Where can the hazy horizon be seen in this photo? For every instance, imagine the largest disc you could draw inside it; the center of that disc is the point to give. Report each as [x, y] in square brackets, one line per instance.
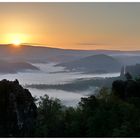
[75, 49]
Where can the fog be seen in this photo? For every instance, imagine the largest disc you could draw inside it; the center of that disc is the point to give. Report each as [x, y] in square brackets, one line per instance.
[49, 74]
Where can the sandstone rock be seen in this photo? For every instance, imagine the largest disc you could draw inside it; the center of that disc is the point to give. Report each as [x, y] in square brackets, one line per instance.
[17, 110]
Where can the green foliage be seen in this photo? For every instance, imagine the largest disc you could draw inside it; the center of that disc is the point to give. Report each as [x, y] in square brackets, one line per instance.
[50, 121]
[128, 76]
[112, 113]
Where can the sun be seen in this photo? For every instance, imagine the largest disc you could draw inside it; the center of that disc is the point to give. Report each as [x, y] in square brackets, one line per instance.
[16, 42]
[16, 39]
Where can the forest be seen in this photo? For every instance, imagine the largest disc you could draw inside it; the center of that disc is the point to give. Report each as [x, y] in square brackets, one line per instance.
[112, 112]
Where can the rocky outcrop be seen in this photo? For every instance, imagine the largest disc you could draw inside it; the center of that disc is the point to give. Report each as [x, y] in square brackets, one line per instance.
[17, 110]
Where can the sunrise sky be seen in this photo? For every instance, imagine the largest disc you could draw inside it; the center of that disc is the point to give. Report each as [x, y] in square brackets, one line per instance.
[72, 25]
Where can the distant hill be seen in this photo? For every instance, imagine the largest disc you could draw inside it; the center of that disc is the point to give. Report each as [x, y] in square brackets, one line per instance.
[14, 67]
[94, 64]
[37, 54]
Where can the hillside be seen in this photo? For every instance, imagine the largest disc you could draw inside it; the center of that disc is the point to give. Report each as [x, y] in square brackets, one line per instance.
[44, 54]
[14, 67]
[37, 54]
[94, 64]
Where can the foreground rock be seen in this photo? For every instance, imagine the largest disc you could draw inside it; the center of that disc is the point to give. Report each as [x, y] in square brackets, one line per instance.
[17, 110]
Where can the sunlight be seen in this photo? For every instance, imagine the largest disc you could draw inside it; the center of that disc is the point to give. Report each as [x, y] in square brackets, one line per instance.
[16, 39]
[16, 42]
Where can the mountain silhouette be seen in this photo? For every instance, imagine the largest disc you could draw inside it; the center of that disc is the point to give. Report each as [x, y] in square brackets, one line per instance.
[44, 54]
[14, 67]
[94, 64]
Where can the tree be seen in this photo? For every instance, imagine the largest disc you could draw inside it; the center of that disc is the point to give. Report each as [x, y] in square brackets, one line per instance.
[50, 118]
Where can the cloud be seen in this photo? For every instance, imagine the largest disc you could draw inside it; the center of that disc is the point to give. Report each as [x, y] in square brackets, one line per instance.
[92, 44]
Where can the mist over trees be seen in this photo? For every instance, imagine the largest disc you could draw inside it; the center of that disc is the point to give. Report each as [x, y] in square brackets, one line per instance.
[113, 112]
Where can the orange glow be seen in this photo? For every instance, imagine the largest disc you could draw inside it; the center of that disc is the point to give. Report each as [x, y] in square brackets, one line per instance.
[15, 39]
[84, 26]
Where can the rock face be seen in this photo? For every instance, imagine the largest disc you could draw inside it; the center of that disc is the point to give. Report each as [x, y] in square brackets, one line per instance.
[17, 110]
[131, 69]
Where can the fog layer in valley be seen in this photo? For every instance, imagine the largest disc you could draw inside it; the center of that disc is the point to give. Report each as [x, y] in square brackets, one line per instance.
[50, 74]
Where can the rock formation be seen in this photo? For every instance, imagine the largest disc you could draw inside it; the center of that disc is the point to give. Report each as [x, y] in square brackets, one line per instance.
[17, 110]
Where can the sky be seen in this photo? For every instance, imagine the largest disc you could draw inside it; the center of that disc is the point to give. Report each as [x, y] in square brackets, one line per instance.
[114, 26]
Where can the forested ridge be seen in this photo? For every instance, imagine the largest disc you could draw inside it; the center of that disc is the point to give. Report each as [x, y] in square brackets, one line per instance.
[113, 112]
